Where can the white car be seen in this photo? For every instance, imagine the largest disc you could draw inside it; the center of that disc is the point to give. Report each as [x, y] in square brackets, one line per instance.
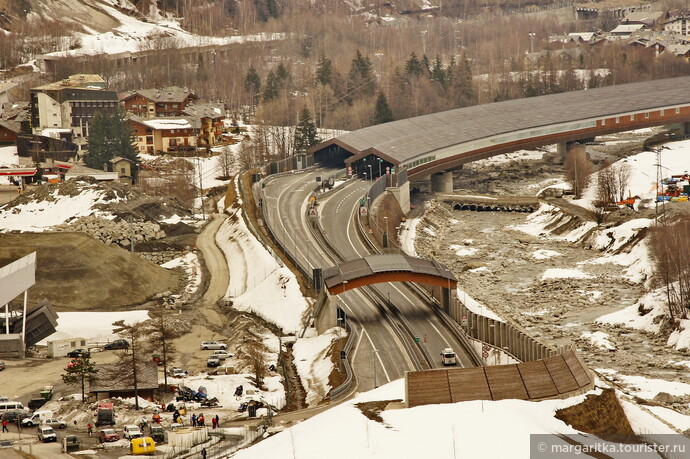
[220, 354]
[213, 345]
[131, 431]
[46, 434]
[178, 373]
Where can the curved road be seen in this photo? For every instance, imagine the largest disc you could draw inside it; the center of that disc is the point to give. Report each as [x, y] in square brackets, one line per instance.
[378, 356]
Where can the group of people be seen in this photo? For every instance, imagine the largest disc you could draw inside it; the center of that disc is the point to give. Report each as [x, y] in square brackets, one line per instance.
[200, 421]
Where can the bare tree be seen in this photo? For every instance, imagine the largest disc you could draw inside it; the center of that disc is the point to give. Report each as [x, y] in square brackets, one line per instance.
[254, 356]
[226, 162]
[160, 337]
[622, 179]
[670, 250]
[130, 363]
[578, 169]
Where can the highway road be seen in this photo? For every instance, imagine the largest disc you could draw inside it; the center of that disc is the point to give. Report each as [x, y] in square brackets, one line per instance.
[378, 356]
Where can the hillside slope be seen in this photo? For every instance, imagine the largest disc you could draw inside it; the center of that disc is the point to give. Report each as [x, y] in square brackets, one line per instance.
[80, 273]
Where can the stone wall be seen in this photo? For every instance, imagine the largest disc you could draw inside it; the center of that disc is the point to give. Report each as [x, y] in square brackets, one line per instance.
[112, 232]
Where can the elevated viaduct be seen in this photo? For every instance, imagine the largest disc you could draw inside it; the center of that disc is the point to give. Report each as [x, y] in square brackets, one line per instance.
[430, 146]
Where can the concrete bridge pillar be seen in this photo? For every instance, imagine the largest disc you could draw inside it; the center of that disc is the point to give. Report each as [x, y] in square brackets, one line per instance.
[446, 301]
[562, 148]
[442, 182]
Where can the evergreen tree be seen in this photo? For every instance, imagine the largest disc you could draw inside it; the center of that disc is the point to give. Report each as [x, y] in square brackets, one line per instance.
[77, 372]
[305, 133]
[272, 88]
[110, 136]
[413, 67]
[252, 83]
[283, 77]
[462, 92]
[324, 71]
[360, 81]
[383, 112]
[438, 73]
[426, 65]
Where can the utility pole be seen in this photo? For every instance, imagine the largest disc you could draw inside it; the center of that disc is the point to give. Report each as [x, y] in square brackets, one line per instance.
[201, 187]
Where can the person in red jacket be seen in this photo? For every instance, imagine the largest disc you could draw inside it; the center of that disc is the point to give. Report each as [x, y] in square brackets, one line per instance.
[4, 426]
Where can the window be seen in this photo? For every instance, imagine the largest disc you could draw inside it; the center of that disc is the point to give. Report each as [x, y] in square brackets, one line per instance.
[618, 119]
[134, 106]
[632, 117]
[174, 105]
[603, 122]
[661, 112]
[646, 115]
[677, 110]
[122, 171]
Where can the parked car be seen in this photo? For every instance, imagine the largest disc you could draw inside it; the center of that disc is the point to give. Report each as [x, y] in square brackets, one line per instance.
[220, 354]
[46, 434]
[108, 435]
[212, 361]
[13, 415]
[206, 345]
[178, 373]
[131, 431]
[2, 365]
[79, 353]
[54, 423]
[117, 344]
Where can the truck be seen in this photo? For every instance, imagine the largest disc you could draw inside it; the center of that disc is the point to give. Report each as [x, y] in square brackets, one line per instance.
[448, 357]
[37, 418]
[105, 415]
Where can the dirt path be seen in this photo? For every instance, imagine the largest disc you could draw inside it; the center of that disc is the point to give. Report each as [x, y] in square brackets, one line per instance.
[216, 265]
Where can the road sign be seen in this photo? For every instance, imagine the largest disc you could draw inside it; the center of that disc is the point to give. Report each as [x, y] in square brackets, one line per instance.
[486, 348]
[388, 170]
[485, 355]
[361, 202]
[313, 213]
[416, 339]
[363, 212]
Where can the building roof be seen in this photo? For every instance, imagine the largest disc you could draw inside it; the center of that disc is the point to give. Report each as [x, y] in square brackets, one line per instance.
[78, 170]
[83, 81]
[627, 28]
[14, 126]
[110, 379]
[169, 94]
[167, 123]
[582, 36]
[644, 17]
[208, 110]
[117, 159]
[417, 137]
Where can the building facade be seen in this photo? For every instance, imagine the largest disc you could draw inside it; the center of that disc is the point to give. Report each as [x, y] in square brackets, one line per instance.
[70, 104]
[156, 103]
[164, 135]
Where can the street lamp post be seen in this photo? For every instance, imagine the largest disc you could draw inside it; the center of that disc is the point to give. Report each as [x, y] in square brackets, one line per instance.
[380, 161]
[371, 175]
